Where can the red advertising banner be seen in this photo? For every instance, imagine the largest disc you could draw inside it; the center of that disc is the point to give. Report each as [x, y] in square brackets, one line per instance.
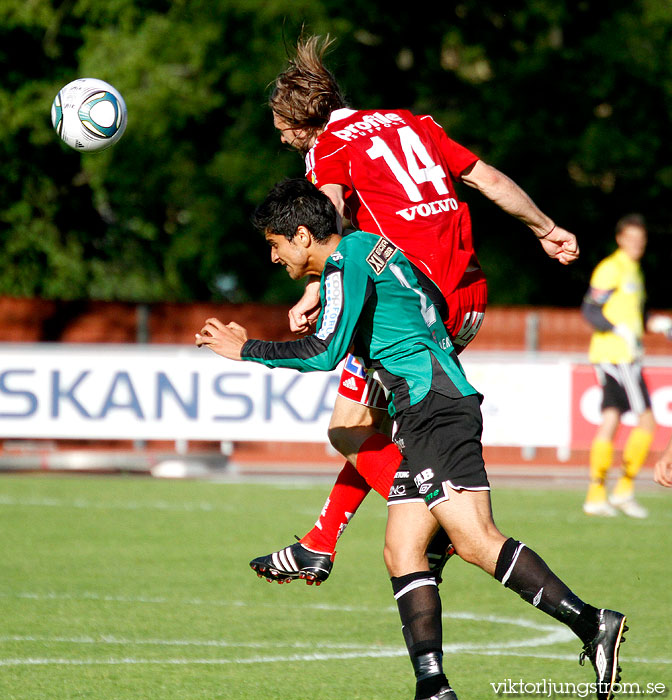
[587, 397]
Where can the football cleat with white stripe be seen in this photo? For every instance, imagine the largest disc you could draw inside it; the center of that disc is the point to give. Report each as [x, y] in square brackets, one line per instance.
[602, 651]
[294, 562]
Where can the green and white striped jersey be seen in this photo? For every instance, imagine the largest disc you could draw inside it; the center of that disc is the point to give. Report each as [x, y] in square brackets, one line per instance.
[374, 306]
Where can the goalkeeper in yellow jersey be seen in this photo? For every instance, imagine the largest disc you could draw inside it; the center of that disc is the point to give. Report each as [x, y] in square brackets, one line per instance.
[614, 307]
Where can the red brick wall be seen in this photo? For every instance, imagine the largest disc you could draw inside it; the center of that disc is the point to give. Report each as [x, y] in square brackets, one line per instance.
[34, 320]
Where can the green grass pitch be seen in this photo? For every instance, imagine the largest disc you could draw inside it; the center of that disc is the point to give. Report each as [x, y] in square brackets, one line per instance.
[126, 587]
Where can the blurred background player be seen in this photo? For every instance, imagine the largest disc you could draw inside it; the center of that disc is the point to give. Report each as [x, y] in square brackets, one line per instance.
[366, 286]
[390, 173]
[614, 307]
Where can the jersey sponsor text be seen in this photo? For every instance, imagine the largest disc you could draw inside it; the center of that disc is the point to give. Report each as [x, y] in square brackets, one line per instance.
[368, 123]
[334, 303]
[429, 208]
[398, 490]
[424, 475]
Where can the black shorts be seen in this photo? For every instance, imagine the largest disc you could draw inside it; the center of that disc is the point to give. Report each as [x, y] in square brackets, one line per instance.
[623, 387]
[440, 440]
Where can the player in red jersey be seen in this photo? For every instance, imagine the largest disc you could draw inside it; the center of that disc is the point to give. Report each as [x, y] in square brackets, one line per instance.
[394, 173]
[390, 173]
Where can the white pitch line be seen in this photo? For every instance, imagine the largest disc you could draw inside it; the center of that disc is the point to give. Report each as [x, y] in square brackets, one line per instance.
[218, 662]
[218, 643]
[321, 607]
[377, 654]
[552, 634]
[86, 596]
[126, 505]
[493, 649]
[160, 600]
[547, 640]
[83, 504]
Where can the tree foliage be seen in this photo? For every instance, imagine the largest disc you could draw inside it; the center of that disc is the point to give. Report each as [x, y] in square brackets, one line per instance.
[571, 99]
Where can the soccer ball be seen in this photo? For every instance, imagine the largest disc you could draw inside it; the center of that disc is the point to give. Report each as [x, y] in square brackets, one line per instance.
[89, 114]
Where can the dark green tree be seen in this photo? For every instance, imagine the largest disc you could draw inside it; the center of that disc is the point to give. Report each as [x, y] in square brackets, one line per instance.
[570, 99]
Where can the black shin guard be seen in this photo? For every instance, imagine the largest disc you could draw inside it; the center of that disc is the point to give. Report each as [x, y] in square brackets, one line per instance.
[525, 572]
[419, 606]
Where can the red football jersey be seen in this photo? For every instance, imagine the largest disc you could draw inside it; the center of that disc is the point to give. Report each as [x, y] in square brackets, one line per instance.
[398, 171]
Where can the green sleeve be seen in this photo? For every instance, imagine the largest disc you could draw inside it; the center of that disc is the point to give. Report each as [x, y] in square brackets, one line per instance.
[345, 289]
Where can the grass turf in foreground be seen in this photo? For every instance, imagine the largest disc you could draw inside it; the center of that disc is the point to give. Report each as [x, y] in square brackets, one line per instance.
[121, 588]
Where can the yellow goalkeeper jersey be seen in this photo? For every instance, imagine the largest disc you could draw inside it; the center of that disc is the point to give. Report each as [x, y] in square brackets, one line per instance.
[622, 277]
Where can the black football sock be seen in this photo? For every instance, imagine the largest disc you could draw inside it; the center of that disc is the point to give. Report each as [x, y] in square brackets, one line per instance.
[417, 597]
[525, 572]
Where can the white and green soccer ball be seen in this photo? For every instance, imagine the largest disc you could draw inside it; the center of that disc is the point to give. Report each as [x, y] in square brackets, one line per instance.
[89, 114]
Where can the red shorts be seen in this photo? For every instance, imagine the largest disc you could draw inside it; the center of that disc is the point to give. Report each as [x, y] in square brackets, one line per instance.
[466, 308]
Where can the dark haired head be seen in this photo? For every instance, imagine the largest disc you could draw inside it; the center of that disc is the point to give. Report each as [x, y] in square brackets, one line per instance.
[296, 202]
[630, 220]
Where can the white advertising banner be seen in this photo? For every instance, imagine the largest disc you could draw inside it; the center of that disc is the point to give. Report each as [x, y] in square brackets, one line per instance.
[526, 403]
[157, 392]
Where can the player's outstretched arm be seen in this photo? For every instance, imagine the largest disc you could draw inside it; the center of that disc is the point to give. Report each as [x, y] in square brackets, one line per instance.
[561, 245]
[226, 340]
[557, 242]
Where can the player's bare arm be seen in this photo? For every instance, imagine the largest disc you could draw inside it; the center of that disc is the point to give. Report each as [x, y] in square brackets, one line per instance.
[225, 339]
[557, 242]
[336, 194]
[304, 314]
[663, 472]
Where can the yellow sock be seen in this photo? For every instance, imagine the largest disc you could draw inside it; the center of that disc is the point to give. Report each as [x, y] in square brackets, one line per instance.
[634, 455]
[601, 455]
[596, 493]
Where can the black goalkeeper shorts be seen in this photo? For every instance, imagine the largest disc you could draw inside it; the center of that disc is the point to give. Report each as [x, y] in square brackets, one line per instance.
[623, 387]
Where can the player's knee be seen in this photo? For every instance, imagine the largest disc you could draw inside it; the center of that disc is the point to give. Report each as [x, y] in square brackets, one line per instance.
[400, 561]
[647, 421]
[480, 550]
[388, 558]
[468, 551]
[393, 560]
[348, 439]
[338, 438]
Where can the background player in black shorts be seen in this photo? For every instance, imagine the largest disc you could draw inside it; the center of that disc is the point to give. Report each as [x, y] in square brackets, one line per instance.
[615, 307]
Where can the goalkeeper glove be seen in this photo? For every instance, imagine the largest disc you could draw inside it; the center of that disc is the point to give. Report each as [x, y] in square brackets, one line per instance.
[660, 324]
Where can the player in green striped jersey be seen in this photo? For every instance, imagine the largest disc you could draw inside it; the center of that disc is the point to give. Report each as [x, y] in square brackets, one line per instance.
[374, 304]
